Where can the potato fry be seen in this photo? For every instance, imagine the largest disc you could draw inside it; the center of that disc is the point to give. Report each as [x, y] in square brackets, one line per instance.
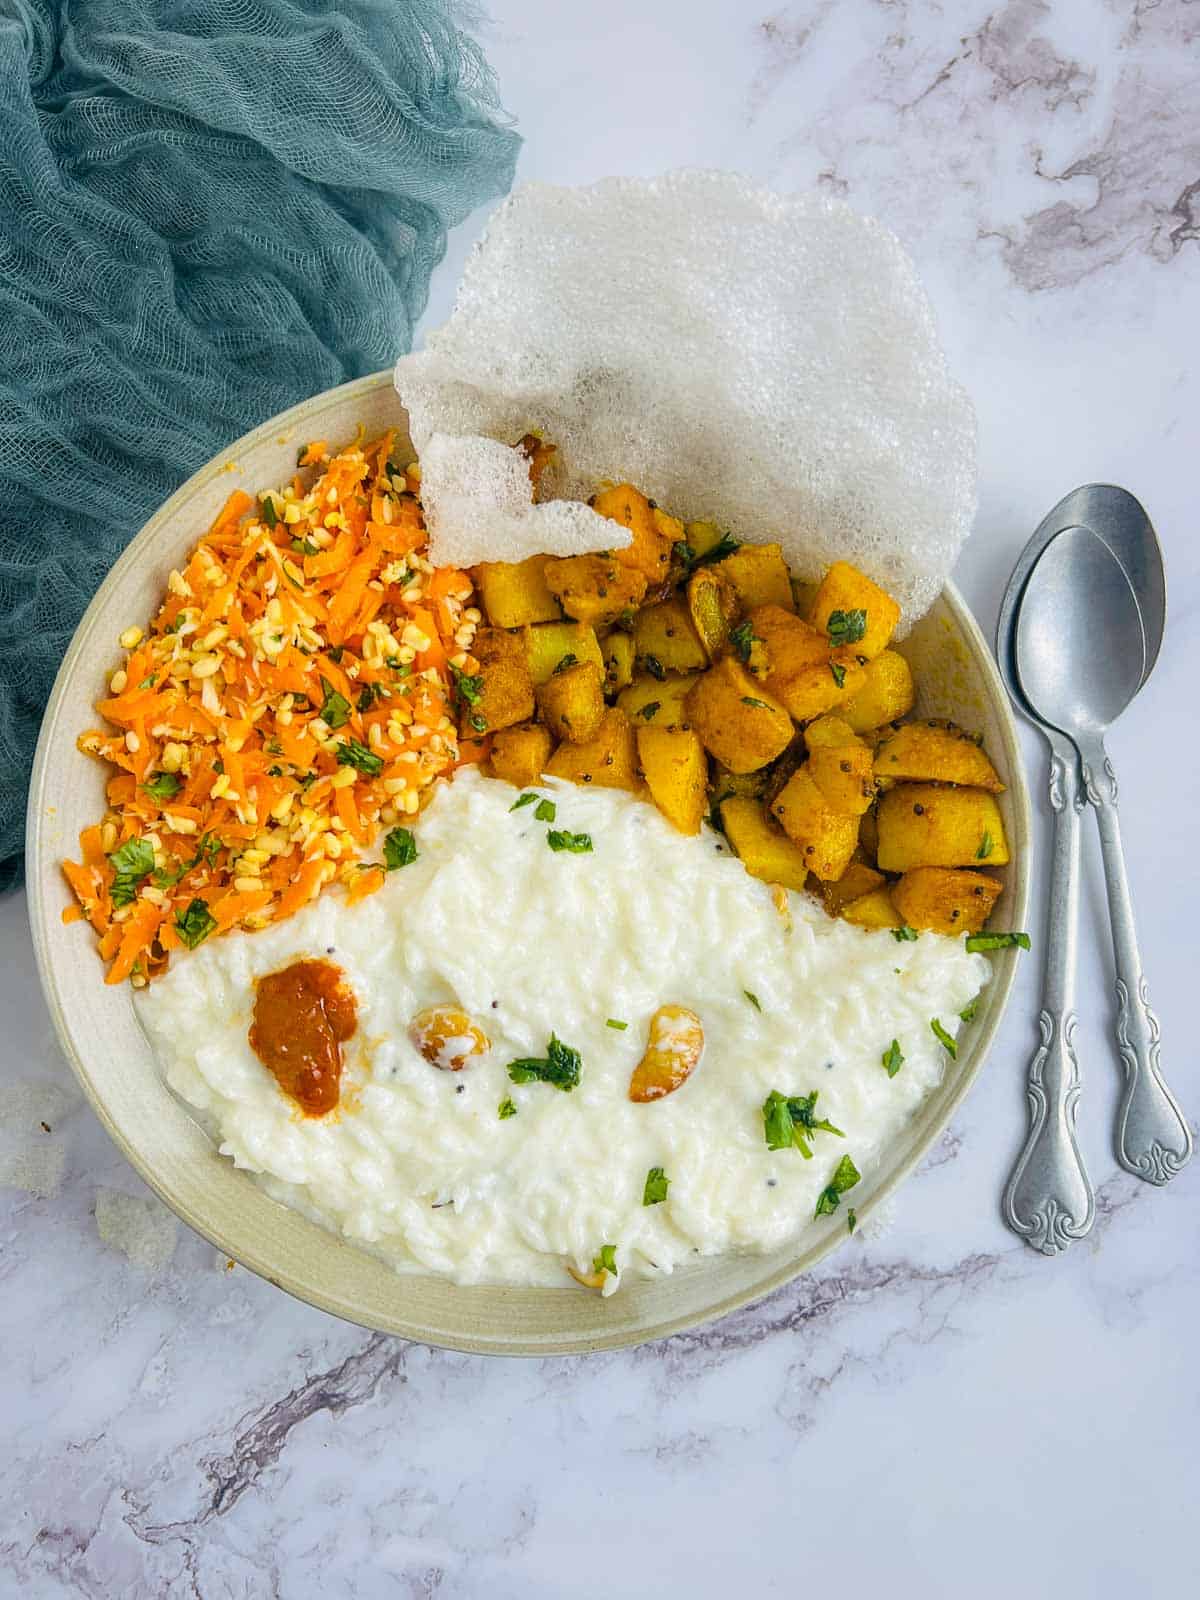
[874, 910]
[676, 772]
[519, 754]
[922, 825]
[514, 593]
[930, 752]
[608, 759]
[713, 608]
[826, 838]
[658, 700]
[737, 719]
[664, 634]
[650, 552]
[548, 644]
[886, 693]
[595, 589]
[944, 900]
[572, 702]
[762, 847]
[844, 593]
[503, 693]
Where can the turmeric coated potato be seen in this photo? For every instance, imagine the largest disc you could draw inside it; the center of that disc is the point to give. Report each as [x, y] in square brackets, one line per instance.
[501, 692]
[572, 702]
[759, 576]
[803, 673]
[739, 722]
[658, 700]
[664, 634]
[932, 752]
[650, 552]
[873, 910]
[519, 754]
[713, 608]
[595, 589]
[549, 645]
[608, 759]
[858, 879]
[922, 825]
[841, 765]
[826, 837]
[676, 773]
[514, 593]
[763, 849]
[944, 900]
[701, 537]
[886, 693]
[853, 611]
[617, 649]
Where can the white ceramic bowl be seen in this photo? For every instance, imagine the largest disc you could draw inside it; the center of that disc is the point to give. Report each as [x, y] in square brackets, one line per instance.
[956, 677]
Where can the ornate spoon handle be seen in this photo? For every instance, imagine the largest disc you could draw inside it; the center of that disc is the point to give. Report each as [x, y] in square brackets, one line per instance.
[1153, 1139]
[1049, 1200]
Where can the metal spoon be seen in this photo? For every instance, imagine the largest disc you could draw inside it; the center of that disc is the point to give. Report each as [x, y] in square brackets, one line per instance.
[1081, 654]
[1049, 1200]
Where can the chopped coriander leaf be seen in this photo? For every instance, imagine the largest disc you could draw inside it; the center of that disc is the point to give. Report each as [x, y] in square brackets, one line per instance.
[134, 859]
[606, 1259]
[546, 811]
[851, 1219]
[839, 673]
[560, 1067]
[759, 705]
[790, 1120]
[578, 843]
[893, 1059]
[944, 1038]
[468, 688]
[845, 1177]
[654, 667]
[335, 709]
[650, 709]
[399, 849]
[353, 754]
[479, 721]
[986, 846]
[371, 692]
[904, 934]
[195, 924]
[725, 546]
[402, 669]
[753, 999]
[163, 785]
[507, 1109]
[304, 547]
[569, 660]
[148, 683]
[742, 639]
[527, 799]
[619, 1026]
[846, 627]
[967, 1014]
[209, 848]
[269, 514]
[336, 652]
[657, 1184]
[997, 941]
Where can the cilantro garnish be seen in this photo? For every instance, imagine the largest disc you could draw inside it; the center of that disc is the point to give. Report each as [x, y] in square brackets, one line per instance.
[527, 799]
[353, 754]
[569, 660]
[759, 705]
[845, 1177]
[650, 709]
[892, 1059]
[967, 1014]
[269, 514]
[399, 849]
[753, 999]
[578, 843]
[654, 667]
[195, 924]
[904, 934]
[846, 627]
[606, 1259]
[614, 1023]
[944, 1038]
[997, 941]
[469, 688]
[986, 846]
[132, 862]
[742, 638]
[839, 673]
[546, 811]
[791, 1120]
[657, 1184]
[851, 1219]
[560, 1066]
[507, 1109]
[335, 711]
[163, 785]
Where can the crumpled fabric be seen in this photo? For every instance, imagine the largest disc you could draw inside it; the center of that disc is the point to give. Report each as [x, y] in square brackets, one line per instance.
[209, 210]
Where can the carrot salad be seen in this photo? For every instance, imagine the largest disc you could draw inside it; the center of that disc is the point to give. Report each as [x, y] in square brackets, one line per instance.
[292, 698]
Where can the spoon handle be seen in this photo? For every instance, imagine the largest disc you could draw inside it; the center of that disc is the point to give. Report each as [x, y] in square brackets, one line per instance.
[1049, 1200]
[1153, 1139]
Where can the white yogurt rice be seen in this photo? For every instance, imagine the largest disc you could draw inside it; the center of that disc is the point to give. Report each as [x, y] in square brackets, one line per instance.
[417, 1164]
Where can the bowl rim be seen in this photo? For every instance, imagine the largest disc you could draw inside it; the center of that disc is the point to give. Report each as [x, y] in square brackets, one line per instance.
[324, 1298]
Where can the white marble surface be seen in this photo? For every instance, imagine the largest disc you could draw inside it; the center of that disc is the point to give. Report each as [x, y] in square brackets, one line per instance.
[938, 1411]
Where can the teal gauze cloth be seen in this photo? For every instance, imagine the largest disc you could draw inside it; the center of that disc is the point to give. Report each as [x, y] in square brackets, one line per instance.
[209, 209]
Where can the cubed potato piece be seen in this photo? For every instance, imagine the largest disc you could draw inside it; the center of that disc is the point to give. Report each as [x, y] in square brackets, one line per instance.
[759, 575]
[608, 759]
[572, 702]
[804, 674]
[504, 693]
[701, 537]
[944, 900]
[829, 731]
[660, 701]
[873, 910]
[922, 825]
[826, 837]
[841, 765]
[739, 722]
[763, 849]
[858, 879]
[846, 590]
[514, 593]
[596, 588]
[713, 608]
[928, 752]
[519, 754]
[664, 634]
[549, 644]
[650, 552]
[617, 650]
[676, 772]
[886, 694]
